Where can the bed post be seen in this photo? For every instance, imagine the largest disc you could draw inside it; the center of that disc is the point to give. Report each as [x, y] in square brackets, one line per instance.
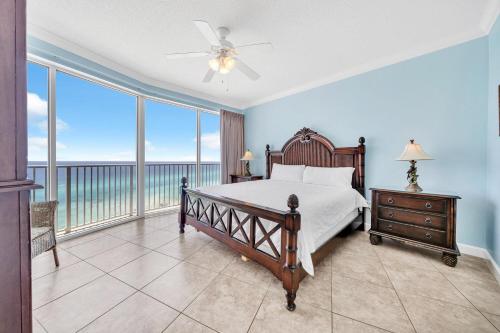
[182, 213]
[291, 275]
[268, 166]
[360, 169]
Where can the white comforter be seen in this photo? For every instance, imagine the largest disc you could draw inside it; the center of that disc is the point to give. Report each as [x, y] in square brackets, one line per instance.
[321, 207]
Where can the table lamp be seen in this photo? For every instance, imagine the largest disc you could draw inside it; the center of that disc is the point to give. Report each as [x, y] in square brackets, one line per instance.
[413, 152]
[247, 158]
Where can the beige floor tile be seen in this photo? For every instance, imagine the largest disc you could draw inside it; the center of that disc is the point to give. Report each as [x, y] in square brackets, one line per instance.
[37, 328]
[315, 291]
[44, 263]
[180, 285]
[95, 247]
[185, 246]
[467, 267]
[215, 257]
[347, 325]
[133, 231]
[369, 303]
[356, 243]
[429, 315]
[80, 307]
[250, 272]
[227, 305]
[394, 253]
[81, 239]
[483, 293]
[185, 324]
[426, 282]
[145, 269]
[274, 317]
[163, 221]
[55, 285]
[117, 257]
[138, 313]
[361, 268]
[155, 239]
[494, 319]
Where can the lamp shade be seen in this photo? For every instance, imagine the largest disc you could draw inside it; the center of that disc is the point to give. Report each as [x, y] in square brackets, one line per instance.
[248, 156]
[413, 152]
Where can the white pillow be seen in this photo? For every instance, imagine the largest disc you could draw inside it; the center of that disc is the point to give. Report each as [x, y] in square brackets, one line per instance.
[290, 173]
[341, 177]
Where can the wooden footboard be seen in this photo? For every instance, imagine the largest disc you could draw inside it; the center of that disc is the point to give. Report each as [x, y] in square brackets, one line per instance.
[251, 230]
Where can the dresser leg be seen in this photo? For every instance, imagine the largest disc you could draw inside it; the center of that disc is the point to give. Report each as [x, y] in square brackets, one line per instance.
[375, 239]
[449, 259]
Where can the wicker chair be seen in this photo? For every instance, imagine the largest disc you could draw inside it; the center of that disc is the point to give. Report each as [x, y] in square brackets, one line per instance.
[43, 236]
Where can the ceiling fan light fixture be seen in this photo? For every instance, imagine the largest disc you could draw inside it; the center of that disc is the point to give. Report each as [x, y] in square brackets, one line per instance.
[228, 63]
[214, 64]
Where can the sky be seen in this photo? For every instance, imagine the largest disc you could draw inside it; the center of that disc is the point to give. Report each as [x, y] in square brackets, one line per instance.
[97, 123]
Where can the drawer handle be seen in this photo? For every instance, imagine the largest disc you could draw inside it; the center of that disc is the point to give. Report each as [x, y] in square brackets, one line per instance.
[391, 214]
[428, 235]
[428, 220]
[428, 205]
[389, 226]
[390, 200]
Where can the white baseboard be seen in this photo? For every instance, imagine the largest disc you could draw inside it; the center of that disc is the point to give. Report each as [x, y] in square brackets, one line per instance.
[481, 253]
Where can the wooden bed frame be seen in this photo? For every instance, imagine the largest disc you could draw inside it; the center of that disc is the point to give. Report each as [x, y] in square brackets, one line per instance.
[224, 218]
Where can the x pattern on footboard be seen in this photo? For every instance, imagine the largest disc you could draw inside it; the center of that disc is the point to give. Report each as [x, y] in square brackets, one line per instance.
[248, 229]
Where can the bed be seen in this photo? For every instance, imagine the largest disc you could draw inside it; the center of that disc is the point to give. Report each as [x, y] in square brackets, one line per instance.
[261, 219]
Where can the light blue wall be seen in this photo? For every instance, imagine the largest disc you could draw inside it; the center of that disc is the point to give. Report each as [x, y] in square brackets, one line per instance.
[439, 99]
[494, 139]
[53, 53]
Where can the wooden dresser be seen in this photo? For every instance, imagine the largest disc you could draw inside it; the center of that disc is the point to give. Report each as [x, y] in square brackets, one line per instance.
[241, 178]
[422, 219]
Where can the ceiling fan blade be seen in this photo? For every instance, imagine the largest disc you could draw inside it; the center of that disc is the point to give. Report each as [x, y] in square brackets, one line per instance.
[208, 77]
[186, 55]
[252, 75]
[207, 31]
[266, 46]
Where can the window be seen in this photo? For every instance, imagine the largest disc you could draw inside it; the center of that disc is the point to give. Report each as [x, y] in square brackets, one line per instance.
[94, 176]
[210, 148]
[37, 103]
[96, 151]
[170, 152]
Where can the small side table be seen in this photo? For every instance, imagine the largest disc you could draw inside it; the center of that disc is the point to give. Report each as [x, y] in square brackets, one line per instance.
[426, 220]
[241, 178]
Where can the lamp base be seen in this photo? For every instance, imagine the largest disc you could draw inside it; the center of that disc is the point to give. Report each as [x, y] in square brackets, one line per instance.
[247, 169]
[413, 188]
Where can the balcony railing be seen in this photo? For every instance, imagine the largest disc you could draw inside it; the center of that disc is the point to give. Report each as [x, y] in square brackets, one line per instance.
[100, 192]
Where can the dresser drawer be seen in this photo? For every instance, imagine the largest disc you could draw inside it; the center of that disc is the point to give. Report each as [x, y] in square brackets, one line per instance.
[430, 236]
[416, 218]
[426, 205]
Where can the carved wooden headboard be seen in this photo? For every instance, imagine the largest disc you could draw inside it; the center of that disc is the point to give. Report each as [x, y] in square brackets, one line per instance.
[309, 148]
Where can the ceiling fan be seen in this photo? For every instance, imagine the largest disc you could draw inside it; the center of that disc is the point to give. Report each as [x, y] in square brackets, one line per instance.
[222, 52]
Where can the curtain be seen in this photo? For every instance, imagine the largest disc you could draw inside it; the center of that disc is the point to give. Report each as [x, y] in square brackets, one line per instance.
[232, 144]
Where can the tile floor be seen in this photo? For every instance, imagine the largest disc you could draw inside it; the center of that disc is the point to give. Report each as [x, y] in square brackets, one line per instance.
[143, 277]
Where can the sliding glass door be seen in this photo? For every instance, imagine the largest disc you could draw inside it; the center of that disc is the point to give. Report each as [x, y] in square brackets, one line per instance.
[209, 148]
[37, 103]
[170, 152]
[96, 152]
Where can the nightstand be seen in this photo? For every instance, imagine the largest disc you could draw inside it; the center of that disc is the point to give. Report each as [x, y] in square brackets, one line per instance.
[427, 220]
[241, 178]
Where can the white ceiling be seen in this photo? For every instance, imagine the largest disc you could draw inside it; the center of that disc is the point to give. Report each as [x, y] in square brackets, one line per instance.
[315, 42]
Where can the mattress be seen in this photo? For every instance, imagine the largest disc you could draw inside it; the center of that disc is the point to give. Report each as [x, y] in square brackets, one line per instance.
[325, 210]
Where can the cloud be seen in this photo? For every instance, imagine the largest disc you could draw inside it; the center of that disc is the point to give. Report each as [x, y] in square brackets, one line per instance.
[61, 125]
[37, 106]
[149, 146]
[210, 140]
[41, 143]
